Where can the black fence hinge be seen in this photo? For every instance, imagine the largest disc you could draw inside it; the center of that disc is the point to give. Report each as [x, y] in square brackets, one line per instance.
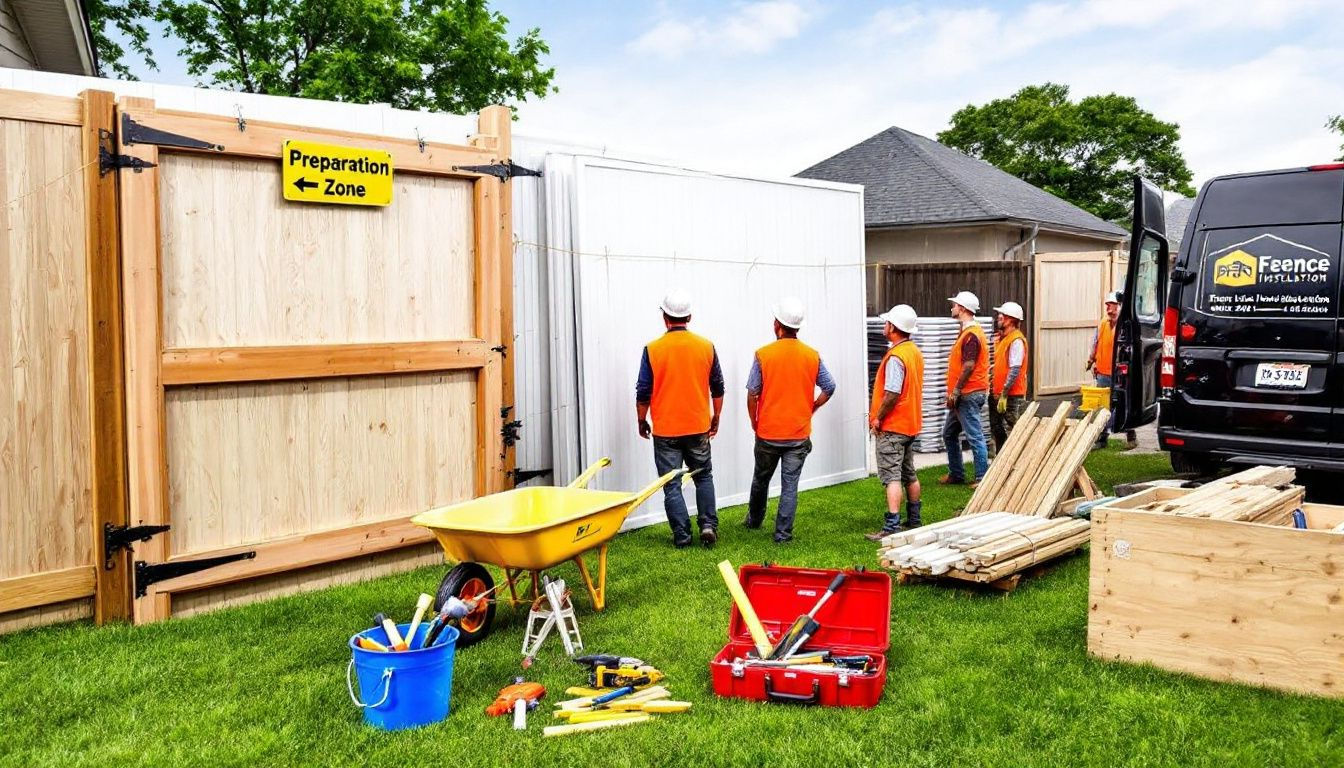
[109, 160]
[147, 574]
[511, 429]
[135, 133]
[119, 537]
[502, 349]
[521, 476]
[502, 171]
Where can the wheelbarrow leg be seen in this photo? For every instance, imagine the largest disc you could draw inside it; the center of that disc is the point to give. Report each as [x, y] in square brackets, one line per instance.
[599, 592]
[511, 576]
[536, 581]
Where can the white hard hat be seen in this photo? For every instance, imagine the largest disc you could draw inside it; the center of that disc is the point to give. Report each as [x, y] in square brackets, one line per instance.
[1112, 298]
[789, 312]
[903, 316]
[967, 300]
[677, 303]
[1010, 309]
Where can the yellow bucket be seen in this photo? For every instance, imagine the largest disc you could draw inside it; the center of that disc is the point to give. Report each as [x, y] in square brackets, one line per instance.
[1095, 397]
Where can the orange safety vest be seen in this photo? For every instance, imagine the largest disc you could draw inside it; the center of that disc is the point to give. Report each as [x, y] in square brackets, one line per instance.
[979, 380]
[907, 418]
[788, 386]
[1105, 351]
[681, 363]
[1001, 365]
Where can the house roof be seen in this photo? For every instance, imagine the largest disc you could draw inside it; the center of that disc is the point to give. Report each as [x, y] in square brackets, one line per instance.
[58, 33]
[1178, 215]
[909, 179]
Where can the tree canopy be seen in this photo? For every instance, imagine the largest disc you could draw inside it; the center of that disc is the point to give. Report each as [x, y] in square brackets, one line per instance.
[1336, 124]
[1084, 151]
[449, 55]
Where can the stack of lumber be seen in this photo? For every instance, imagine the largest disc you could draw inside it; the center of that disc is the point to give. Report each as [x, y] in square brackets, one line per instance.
[1258, 495]
[582, 714]
[983, 547]
[1040, 464]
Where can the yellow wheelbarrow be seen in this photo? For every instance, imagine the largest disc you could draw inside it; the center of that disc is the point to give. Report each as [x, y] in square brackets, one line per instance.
[526, 531]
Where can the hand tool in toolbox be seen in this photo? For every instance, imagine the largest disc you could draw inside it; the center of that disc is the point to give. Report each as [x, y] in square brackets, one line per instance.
[806, 625]
[845, 658]
[551, 610]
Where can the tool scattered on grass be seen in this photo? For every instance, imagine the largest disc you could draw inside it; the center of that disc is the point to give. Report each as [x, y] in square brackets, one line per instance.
[611, 671]
[394, 639]
[518, 690]
[754, 626]
[563, 730]
[806, 625]
[421, 605]
[552, 609]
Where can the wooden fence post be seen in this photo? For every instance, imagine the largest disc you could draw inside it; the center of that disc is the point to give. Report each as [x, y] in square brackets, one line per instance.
[112, 597]
[494, 306]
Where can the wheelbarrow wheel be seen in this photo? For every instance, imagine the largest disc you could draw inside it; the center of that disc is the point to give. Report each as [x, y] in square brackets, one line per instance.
[465, 581]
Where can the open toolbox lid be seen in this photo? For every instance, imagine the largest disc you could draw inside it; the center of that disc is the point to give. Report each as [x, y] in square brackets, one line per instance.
[858, 615]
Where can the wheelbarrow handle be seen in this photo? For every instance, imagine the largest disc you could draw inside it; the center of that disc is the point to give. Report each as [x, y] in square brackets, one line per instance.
[582, 480]
[654, 487]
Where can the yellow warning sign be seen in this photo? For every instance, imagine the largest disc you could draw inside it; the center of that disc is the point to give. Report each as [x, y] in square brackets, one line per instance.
[329, 173]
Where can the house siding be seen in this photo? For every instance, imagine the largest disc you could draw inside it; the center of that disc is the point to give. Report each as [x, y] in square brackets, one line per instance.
[14, 50]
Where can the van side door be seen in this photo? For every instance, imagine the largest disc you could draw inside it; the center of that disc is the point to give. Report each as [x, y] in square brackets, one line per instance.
[1138, 333]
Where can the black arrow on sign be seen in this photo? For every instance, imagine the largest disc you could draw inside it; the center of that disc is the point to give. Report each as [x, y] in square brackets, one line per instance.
[303, 184]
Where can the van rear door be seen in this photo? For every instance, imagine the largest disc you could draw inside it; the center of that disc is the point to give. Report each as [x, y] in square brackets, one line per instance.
[1259, 311]
[1138, 333]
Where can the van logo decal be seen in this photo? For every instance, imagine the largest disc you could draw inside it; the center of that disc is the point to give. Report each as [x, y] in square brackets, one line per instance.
[1236, 269]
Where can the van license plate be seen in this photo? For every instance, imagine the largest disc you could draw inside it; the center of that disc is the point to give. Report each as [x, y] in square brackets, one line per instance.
[1281, 375]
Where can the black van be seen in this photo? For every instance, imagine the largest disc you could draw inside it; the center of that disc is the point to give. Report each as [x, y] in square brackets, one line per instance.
[1243, 363]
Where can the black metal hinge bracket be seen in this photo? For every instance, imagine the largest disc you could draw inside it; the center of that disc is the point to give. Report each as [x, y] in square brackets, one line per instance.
[510, 432]
[109, 162]
[119, 537]
[147, 574]
[521, 476]
[502, 171]
[135, 133]
[502, 349]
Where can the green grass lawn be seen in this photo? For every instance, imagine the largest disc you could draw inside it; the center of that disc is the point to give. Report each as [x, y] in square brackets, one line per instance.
[976, 678]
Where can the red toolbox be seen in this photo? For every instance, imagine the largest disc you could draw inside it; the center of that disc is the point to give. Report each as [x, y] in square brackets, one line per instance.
[855, 621]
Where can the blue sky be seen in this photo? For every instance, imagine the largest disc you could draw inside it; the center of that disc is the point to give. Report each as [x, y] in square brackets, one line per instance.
[771, 86]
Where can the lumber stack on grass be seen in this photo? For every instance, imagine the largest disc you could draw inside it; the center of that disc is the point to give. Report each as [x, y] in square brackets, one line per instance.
[1039, 464]
[1257, 495]
[982, 547]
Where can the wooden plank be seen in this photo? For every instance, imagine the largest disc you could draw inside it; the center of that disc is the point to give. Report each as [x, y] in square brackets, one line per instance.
[295, 552]
[1075, 453]
[1052, 325]
[490, 293]
[1080, 256]
[1034, 453]
[1160, 593]
[266, 140]
[145, 465]
[106, 378]
[1004, 464]
[40, 108]
[46, 588]
[504, 148]
[243, 364]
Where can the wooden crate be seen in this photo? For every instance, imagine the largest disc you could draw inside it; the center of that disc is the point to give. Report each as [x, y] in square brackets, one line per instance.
[1226, 600]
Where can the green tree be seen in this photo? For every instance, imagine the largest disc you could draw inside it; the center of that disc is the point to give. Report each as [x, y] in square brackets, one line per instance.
[1336, 124]
[448, 55]
[1085, 151]
[126, 17]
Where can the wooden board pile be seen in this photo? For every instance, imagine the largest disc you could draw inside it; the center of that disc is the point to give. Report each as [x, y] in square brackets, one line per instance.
[1257, 495]
[1039, 464]
[983, 547]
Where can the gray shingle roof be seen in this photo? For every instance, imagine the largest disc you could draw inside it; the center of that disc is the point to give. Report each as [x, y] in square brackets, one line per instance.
[1178, 214]
[909, 179]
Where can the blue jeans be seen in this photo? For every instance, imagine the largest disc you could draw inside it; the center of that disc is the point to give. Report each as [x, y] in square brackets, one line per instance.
[790, 461]
[669, 453]
[966, 419]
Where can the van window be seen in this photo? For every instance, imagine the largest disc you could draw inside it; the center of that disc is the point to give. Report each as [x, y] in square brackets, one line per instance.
[1145, 288]
[1273, 200]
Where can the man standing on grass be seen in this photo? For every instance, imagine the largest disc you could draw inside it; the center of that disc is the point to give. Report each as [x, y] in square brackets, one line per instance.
[781, 398]
[967, 388]
[1009, 389]
[895, 416]
[679, 375]
[1102, 360]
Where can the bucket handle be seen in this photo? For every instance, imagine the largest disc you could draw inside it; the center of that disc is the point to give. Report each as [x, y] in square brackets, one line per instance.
[350, 686]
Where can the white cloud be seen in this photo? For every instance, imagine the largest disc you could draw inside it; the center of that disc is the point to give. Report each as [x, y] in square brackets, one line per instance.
[753, 28]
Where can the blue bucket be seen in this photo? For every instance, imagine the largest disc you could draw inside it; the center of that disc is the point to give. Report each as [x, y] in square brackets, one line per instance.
[403, 689]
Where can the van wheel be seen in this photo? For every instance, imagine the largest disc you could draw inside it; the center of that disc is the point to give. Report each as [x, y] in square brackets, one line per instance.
[1197, 464]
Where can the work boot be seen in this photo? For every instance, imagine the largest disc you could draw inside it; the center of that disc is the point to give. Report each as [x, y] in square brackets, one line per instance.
[708, 536]
[912, 512]
[750, 524]
[891, 523]
[950, 480]
[783, 538]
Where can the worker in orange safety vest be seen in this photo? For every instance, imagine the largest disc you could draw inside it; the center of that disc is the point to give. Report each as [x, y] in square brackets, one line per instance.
[1101, 362]
[1008, 389]
[895, 417]
[967, 390]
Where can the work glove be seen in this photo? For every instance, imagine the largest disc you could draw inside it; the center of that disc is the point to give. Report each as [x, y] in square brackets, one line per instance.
[1003, 405]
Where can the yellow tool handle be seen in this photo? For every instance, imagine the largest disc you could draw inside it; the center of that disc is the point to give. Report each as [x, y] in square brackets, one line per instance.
[597, 725]
[421, 606]
[754, 626]
[602, 714]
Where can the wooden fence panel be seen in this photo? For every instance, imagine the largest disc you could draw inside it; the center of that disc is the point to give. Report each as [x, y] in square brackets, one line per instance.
[52, 437]
[927, 286]
[1069, 291]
